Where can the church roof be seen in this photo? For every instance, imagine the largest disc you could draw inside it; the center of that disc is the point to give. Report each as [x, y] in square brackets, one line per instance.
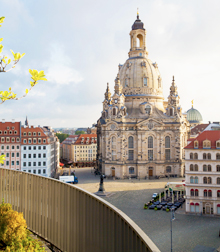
[194, 116]
[138, 24]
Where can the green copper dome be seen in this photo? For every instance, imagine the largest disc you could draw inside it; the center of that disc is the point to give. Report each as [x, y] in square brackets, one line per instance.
[194, 116]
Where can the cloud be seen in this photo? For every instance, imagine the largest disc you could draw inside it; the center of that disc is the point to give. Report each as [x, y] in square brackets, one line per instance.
[60, 67]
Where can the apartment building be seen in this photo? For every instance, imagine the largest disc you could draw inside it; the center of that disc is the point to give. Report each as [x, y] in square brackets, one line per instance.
[39, 150]
[10, 142]
[85, 148]
[202, 173]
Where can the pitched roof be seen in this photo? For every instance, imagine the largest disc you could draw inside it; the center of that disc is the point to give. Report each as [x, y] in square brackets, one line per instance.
[198, 128]
[86, 139]
[212, 135]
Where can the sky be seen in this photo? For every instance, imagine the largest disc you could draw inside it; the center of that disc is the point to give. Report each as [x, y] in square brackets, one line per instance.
[79, 45]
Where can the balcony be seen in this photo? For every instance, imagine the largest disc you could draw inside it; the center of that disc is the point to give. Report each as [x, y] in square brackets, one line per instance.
[69, 217]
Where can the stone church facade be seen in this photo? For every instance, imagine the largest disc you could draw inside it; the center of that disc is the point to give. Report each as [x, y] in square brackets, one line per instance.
[139, 134]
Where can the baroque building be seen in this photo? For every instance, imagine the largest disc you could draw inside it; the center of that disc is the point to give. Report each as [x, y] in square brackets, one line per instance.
[138, 133]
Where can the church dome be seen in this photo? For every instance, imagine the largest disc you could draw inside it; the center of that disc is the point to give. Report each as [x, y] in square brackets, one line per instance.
[194, 116]
[139, 75]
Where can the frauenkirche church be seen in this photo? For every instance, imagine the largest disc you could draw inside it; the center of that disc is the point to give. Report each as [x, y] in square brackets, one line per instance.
[139, 133]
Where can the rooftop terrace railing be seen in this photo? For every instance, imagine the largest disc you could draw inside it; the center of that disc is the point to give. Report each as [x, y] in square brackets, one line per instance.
[69, 217]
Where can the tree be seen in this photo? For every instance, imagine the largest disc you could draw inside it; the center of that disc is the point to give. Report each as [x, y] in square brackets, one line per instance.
[62, 136]
[5, 62]
[78, 132]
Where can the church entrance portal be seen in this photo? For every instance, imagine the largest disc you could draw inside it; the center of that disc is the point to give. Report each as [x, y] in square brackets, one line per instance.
[113, 172]
[150, 172]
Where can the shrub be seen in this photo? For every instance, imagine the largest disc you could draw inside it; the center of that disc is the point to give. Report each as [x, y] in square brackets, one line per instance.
[167, 209]
[155, 208]
[13, 231]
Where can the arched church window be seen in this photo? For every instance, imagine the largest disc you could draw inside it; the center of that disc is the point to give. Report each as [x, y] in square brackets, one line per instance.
[114, 111]
[148, 109]
[167, 148]
[145, 81]
[113, 142]
[150, 142]
[167, 142]
[130, 142]
[126, 82]
[103, 114]
[171, 111]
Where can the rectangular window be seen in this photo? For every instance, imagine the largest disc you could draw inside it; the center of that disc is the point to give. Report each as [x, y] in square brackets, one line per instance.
[2, 139]
[7, 162]
[12, 154]
[29, 171]
[39, 171]
[13, 139]
[39, 140]
[17, 162]
[12, 147]
[44, 163]
[130, 155]
[39, 147]
[192, 208]
[44, 155]
[29, 155]
[24, 141]
[34, 171]
[24, 164]
[18, 147]
[7, 154]
[2, 147]
[44, 171]
[17, 154]
[29, 147]
[7, 147]
[25, 148]
[39, 155]
[39, 163]
[150, 154]
[167, 154]
[34, 163]
[34, 140]
[7, 139]
[29, 163]
[34, 155]
[24, 155]
[17, 139]
[12, 162]
[44, 147]
[197, 209]
[29, 140]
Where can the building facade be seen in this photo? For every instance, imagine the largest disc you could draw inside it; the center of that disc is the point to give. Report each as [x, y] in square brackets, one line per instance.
[203, 173]
[10, 141]
[140, 134]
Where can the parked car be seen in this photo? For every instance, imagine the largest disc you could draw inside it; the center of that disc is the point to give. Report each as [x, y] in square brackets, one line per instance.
[152, 206]
[154, 195]
[159, 207]
[157, 203]
[163, 203]
[165, 208]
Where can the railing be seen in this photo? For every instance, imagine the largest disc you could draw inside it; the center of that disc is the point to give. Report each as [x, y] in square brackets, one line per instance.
[69, 217]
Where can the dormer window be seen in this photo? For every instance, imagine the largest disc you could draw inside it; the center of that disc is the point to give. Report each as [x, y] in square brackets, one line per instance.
[24, 133]
[145, 81]
[218, 144]
[196, 144]
[206, 144]
[29, 133]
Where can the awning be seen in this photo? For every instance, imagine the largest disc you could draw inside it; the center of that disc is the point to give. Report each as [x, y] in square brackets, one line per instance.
[197, 204]
[192, 204]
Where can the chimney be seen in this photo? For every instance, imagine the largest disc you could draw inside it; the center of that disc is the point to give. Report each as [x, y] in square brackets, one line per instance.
[13, 120]
[3, 120]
